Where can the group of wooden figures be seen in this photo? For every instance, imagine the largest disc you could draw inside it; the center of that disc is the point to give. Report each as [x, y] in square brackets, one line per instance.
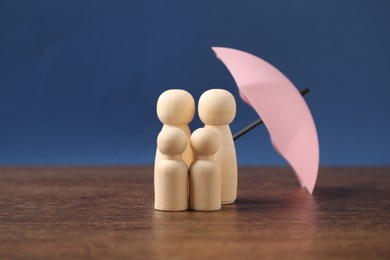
[195, 171]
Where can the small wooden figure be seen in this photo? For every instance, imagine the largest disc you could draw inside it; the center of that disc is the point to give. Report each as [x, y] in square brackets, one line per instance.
[217, 109]
[176, 107]
[171, 172]
[205, 172]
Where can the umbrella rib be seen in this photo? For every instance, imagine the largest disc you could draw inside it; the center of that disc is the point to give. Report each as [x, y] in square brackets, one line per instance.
[259, 121]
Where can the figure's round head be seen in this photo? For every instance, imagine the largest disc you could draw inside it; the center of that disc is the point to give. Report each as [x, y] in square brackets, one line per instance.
[171, 141]
[205, 141]
[217, 107]
[175, 107]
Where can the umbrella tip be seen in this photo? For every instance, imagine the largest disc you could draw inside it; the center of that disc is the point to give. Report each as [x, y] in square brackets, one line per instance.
[309, 190]
[215, 50]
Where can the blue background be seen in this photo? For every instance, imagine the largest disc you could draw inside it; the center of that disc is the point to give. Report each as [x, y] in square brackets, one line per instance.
[79, 80]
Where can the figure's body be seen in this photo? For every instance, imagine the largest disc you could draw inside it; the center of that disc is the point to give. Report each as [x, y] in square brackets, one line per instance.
[205, 172]
[176, 108]
[171, 172]
[217, 109]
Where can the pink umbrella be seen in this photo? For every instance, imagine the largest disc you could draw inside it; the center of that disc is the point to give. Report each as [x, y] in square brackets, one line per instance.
[282, 108]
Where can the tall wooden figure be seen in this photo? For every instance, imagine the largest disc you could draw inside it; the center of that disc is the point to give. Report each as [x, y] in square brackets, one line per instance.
[171, 172]
[205, 172]
[176, 108]
[217, 109]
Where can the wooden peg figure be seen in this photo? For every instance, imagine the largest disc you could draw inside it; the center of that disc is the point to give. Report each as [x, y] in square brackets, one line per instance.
[171, 172]
[176, 108]
[217, 109]
[205, 172]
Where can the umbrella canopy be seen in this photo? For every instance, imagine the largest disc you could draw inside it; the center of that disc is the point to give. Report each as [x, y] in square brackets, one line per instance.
[282, 108]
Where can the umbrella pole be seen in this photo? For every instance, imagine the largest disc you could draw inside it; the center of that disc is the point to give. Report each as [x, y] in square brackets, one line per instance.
[259, 121]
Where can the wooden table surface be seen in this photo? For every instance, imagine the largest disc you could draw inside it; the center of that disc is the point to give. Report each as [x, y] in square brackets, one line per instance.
[107, 212]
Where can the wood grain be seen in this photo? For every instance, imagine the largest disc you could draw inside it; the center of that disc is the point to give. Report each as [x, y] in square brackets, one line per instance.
[107, 212]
